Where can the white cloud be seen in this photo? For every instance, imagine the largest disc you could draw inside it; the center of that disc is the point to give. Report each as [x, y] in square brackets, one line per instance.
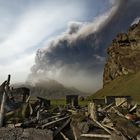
[27, 30]
[18, 69]
[32, 28]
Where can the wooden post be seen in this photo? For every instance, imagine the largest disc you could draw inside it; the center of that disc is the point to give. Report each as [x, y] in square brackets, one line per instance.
[8, 80]
[2, 111]
[7, 88]
[3, 102]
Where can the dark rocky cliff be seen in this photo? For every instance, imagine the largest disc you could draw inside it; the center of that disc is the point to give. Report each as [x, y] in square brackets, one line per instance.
[123, 55]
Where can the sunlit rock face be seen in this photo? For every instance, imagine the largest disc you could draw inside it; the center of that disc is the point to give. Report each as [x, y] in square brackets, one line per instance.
[123, 54]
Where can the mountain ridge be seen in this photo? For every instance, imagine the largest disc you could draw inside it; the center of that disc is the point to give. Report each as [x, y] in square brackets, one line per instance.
[50, 89]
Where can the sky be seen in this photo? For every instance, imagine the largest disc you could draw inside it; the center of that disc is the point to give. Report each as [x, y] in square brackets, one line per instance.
[60, 39]
[26, 25]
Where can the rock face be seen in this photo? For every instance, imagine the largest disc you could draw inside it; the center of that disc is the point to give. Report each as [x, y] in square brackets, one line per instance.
[123, 54]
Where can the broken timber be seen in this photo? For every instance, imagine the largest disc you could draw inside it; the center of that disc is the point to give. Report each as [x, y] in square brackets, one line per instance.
[53, 122]
[98, 123]
[96, 136]
[62, 127]
[2, 111]
[3, 103]
[62, 134]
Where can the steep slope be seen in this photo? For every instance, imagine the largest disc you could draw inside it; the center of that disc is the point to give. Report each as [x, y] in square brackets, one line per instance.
[124, 85]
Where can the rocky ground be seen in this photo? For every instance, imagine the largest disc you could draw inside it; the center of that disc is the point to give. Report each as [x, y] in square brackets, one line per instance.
[25, 134]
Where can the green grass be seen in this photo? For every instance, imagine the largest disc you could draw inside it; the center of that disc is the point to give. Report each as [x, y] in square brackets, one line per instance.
[122, 86]
[83, 103]
[62, 102]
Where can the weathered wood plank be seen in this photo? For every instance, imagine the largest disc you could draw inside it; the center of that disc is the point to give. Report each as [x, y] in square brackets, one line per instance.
[65, 138]
[53, 122]
[96, 136]
[62, 127]
[2, 110]
[98, 123]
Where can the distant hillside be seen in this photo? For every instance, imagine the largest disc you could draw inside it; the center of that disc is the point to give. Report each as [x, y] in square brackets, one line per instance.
[50, 89]
[124, 85]
[122, 69]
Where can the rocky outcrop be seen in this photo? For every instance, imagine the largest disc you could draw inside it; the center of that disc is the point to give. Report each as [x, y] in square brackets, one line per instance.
[123, 54]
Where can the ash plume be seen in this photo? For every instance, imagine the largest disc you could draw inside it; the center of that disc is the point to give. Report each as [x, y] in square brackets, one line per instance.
[76, 57]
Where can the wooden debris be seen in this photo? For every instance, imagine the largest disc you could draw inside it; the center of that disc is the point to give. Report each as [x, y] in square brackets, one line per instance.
[98, 123]
[92, 109]
[126, 127]
[2, 110]
[121, 103]
[18, 125]
[4, 99]
[112, 128]
[53, 122]
[133, 108]
[65, 138]
[62, 127]
[107, 107]
[96, 136]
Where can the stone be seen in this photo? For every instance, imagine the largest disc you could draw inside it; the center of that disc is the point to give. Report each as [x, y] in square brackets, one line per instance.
[25, 134]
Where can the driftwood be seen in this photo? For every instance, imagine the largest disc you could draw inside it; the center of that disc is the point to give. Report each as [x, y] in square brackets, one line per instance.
[96, 136]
